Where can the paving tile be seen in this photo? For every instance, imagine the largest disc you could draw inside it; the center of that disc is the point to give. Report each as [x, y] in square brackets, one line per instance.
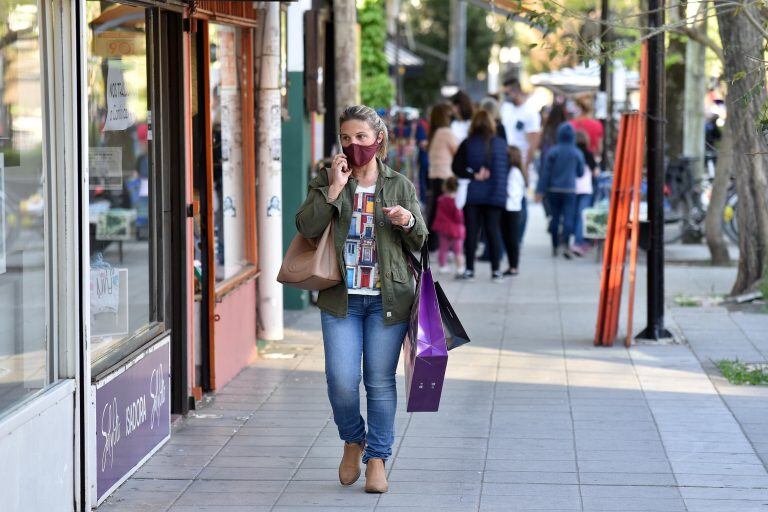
[697, 505]
[530, 477]
[354, 497]
[227, 499]
[218, 508]
[406, 462]
[224, 461]
[630, 491]
[505, 489]
[634, 504]
[520, 503]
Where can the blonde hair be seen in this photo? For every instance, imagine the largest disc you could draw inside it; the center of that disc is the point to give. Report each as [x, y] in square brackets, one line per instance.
[374, 121]
[491, 105]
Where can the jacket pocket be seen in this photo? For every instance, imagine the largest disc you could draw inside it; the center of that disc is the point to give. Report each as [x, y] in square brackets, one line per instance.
[400, 274]
[389, 202]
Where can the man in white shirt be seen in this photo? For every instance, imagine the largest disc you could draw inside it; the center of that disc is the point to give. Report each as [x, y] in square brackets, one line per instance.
[521, 122]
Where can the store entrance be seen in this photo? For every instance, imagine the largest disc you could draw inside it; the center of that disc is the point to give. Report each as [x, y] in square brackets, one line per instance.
[222, 120]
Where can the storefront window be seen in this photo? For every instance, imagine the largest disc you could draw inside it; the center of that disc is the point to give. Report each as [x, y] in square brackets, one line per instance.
[120, 173]
[24, 292]
[226, 121]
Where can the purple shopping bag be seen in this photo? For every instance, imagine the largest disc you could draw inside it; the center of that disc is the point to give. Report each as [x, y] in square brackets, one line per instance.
[424, 349]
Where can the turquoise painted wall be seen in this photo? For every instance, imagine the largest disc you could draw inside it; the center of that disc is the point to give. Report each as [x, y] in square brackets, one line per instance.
[296, 147]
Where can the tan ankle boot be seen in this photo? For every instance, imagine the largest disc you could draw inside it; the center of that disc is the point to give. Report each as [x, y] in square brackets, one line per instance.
[349, 469]
[375, 476]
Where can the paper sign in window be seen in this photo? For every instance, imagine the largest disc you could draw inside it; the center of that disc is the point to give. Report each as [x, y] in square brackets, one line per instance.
[105, 167]
[119, 115]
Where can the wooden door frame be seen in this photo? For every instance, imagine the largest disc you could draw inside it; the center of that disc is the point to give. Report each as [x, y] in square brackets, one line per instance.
[211, 292]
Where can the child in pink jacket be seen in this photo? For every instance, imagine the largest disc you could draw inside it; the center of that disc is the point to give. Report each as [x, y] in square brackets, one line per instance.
[449, 225]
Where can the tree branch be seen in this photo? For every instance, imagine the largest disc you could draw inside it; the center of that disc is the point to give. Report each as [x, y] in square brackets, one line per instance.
[702, 39]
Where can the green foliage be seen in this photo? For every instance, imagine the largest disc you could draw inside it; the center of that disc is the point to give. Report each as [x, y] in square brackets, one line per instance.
[377, 91]
[376, 88]
[430, 25]
[738, 372]
[685, 301]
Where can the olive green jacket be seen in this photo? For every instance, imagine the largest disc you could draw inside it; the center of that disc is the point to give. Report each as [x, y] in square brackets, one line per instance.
[392, 189]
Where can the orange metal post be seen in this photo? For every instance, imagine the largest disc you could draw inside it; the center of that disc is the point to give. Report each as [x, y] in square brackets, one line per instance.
[620, 247]
[619, 241]
[609, 235]
[636, 194]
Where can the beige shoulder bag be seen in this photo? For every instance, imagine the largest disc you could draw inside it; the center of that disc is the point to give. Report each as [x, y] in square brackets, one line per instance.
[311, 264]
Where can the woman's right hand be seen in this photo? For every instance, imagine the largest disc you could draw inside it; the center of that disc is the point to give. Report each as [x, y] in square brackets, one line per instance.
[338, 176]
[483, 174]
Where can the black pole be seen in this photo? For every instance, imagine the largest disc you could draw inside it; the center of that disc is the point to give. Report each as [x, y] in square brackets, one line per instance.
[605, 76]
[655, 164]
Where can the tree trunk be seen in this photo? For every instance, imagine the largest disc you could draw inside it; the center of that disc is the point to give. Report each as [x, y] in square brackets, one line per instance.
[713, 224]
[742, 44]
[345, 51]
[675, 87]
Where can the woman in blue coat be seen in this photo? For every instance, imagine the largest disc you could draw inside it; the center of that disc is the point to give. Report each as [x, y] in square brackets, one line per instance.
[482, 158]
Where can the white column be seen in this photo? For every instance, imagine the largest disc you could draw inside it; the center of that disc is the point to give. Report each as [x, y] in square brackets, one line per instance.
[231, 152]
[269, 172]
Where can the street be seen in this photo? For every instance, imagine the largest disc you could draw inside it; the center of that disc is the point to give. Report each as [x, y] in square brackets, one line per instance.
[533, 416]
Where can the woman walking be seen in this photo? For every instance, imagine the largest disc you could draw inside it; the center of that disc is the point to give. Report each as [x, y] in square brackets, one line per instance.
[510, 219]
[374, 212]
[463, 110]
[442, 147]
[482, 157]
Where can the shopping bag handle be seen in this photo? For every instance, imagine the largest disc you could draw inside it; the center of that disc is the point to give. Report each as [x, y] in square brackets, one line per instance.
[417, 266]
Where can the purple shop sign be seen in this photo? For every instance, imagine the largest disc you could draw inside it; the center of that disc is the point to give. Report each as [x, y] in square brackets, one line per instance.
[133, 415]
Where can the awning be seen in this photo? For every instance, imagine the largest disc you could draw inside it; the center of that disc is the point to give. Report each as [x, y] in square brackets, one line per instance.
[407, 57]
[579, 79]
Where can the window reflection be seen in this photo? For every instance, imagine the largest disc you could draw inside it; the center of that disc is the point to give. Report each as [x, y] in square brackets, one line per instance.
[120, 170]
[226, 121]
[23, 202]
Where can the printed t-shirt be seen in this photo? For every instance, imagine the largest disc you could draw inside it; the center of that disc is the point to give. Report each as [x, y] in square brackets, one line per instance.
[360, 247]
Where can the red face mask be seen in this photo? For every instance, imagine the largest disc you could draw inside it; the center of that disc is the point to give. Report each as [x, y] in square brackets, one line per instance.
[358, 155]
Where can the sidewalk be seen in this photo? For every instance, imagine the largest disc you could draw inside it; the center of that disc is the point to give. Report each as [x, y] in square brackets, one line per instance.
[533, 416]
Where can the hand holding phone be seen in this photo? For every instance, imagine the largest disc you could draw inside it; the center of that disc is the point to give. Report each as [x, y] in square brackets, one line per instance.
[339, 174]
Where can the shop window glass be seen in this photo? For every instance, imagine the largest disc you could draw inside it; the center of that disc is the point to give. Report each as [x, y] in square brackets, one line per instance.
[24, 295]
[226, 121]
[120, 173]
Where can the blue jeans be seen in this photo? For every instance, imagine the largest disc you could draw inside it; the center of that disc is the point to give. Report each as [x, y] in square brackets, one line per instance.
[363, 335]
[583, 201]
[562, 205]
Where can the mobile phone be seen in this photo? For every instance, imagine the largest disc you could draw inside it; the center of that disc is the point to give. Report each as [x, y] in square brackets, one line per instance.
[346, 165]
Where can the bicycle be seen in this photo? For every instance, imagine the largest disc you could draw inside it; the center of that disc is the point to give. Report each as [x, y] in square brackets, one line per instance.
[687, 200]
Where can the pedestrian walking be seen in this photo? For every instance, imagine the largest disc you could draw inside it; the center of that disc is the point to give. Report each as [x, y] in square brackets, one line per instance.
[491, 104]
[563, 163]
[374, 212]
[584, 190]
[442, 147]
[449, 225]
[463, 109]
[521, 121]
[585, 121]
[554, 118]
[482, 158]
[510, 219]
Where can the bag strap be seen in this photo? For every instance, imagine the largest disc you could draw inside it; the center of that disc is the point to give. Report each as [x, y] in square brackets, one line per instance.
[417, 266]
